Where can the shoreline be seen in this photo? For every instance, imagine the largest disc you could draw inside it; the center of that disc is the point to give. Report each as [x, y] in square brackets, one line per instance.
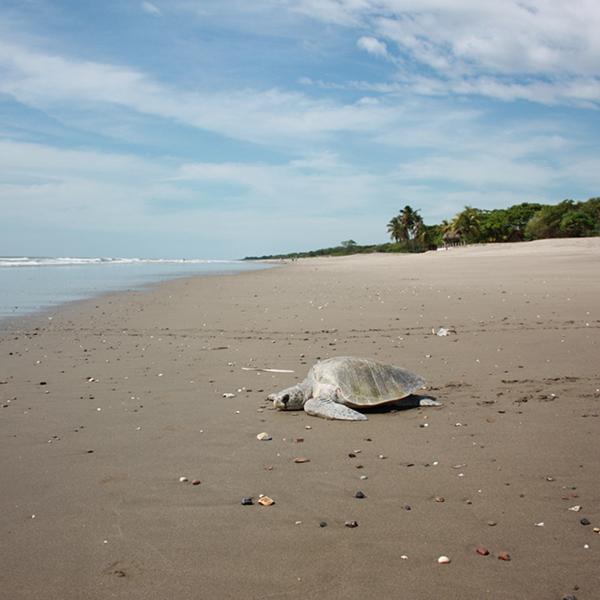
[38, 288]
[111, 401]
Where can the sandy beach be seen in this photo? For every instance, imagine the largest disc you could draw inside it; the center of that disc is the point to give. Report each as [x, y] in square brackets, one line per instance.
[108, 403]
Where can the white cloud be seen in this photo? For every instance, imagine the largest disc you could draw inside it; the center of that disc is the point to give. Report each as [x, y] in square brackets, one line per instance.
[481, 172]
[150, 8]
[372, 46]
[487, 48]
[269, 116]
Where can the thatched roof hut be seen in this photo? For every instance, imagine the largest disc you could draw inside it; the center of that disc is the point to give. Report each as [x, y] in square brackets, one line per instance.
[451, 237]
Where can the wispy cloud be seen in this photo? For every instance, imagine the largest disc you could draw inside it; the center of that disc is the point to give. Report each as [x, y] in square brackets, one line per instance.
[540, 51]
[150, 8]
[270, 116]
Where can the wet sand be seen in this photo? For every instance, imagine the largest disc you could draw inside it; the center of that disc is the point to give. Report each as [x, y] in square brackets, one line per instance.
[107, 403]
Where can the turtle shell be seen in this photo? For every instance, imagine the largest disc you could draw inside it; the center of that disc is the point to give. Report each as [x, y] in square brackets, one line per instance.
[365, 382]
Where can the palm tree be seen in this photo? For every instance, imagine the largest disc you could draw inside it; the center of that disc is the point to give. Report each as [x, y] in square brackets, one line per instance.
[446, 226]
[410, 218]
[422, 234]
[397, 230]
[468, 223]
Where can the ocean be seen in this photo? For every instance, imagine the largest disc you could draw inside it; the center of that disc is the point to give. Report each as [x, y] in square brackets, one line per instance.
[32, 285]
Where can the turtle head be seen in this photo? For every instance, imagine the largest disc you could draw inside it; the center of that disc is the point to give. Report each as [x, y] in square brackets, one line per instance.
[289, 399]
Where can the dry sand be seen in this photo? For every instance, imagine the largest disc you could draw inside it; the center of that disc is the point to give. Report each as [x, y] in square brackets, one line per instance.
[107, 403]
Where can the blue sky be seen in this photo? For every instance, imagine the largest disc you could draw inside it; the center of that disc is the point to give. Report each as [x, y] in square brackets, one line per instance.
[228, 128]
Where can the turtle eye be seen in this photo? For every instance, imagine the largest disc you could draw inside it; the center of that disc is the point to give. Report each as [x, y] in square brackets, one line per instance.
[285, 399]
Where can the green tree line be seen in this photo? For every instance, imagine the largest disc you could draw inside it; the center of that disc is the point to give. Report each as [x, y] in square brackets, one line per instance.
[521, 222]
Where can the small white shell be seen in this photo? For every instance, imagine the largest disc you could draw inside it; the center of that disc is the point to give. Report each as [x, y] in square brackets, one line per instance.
[443, 560]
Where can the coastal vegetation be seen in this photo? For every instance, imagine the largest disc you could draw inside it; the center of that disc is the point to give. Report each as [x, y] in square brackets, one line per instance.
[521, 222]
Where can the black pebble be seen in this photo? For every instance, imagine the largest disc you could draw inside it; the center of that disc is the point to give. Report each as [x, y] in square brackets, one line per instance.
[247, 501]
[352, 455]
[584, 521]
[407, 507]
[360, 495]
[322, 524]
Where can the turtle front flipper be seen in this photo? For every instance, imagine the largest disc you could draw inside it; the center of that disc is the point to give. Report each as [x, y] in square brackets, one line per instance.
[323, 406]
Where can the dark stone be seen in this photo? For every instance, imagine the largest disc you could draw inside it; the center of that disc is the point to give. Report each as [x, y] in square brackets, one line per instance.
[584, 521]
[360, 495]
[322, 524]
[247, 501]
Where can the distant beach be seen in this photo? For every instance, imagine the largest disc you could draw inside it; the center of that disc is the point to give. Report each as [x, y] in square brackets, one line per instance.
[32, 284]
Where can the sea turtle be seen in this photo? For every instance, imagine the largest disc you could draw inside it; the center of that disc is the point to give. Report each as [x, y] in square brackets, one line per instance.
[334, 387]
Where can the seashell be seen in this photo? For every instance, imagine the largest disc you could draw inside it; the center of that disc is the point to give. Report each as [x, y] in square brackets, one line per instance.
[575, 508]
[196, 482]
[263, 437]
[503, 556]
[228, 395]
[298, 440]
[443, 560]
[301, 460]
[483, 551]
[351, 524]
[266, 501]
[183, 479]
[440, 499]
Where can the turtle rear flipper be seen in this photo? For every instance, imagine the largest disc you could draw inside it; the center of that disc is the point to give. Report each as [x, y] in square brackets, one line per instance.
[429, 402]
[323, 406]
